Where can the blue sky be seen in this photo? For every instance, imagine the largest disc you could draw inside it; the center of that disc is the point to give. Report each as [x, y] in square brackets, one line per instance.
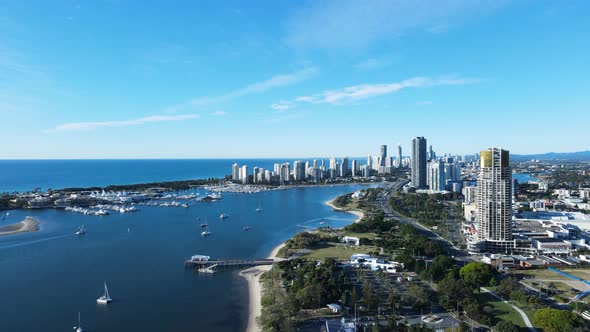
[196, 79]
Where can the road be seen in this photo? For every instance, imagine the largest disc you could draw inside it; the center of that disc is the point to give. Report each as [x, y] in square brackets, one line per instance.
[459, 255]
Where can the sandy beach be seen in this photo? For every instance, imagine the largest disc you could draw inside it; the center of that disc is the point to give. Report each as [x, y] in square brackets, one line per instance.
[252, 275]
[359, 214]
[27, 225]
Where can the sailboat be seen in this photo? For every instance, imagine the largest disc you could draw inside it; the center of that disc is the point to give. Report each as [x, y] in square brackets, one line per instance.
[81, 230]
[205, 232]
[259, 209]
[79, 327]
[223, 216]
[105, 298]
[246, 228]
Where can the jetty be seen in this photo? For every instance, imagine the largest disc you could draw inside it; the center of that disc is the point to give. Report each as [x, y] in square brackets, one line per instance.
[206, 264]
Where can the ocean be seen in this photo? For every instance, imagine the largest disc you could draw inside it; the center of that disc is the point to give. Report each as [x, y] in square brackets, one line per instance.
[27, 175]
[47, 277]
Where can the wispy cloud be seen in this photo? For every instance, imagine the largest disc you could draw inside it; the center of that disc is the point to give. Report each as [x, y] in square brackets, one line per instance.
[423, 102]
[282, 105]
[79, 126]
[334, 24]
[366, 91]
[259, 87]
[219, 113]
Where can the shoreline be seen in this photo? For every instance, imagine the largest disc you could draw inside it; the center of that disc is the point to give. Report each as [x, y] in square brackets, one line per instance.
[25, 226]
[252, 276]
[359, 214]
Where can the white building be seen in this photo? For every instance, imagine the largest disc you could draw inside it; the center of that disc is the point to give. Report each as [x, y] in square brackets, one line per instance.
[469, 194]
[365, 260]
[351, 241]
[244, 174]
[235, 172]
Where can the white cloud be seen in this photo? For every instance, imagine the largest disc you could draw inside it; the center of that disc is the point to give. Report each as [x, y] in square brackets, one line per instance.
[79, 126]
[259, 87]
[219, 113]
[365, 91]
[334, 24]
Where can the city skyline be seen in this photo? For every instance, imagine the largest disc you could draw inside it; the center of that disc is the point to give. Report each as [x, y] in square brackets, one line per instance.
[188, 85]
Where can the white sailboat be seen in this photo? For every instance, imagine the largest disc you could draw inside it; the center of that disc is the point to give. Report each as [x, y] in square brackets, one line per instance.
[259, 209]
[81, 230]
[223, 216]
[205, 232]
[79, 327]
[105, 298]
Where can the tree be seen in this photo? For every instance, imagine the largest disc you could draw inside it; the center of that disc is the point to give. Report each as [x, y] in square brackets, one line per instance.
[452, 292]
[505, 326]
[437, 270]
[555, 320]
[418, 296]
[477, 274]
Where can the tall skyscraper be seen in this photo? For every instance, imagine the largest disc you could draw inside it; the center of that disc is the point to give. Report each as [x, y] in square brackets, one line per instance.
[235, 172]
[383, 155]
[436, 175]
[419, 162]
[355, 167]
[244, 174]
[344, 167]
[285, 172]
[494, 196]
[333, 164]
[399, 156]
[431, 154]
[299, 170]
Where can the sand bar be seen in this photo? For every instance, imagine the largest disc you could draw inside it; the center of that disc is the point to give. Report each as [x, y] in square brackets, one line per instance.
[27, 225]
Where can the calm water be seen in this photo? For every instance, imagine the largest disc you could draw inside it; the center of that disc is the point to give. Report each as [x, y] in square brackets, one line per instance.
[524, 177]
[25, 175]
[48, 276]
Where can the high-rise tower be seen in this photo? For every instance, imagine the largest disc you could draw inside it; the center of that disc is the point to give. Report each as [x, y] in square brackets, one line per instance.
[383, 155]
[494, 196]
[419, 162]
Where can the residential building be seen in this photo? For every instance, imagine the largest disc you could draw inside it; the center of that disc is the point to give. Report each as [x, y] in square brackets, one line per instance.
[235, 172]
[494, 201]
[419, 162]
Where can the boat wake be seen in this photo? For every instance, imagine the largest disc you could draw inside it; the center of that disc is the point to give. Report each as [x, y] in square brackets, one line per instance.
[22, 244]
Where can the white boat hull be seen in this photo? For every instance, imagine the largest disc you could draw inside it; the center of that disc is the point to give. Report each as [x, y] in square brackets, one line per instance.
[103, 301]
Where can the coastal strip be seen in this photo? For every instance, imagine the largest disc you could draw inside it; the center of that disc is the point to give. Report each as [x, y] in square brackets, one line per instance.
[27, 225]
[252, 276]
[359, 214]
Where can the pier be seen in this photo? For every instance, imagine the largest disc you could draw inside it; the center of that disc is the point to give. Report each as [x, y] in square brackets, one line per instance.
[204, 263]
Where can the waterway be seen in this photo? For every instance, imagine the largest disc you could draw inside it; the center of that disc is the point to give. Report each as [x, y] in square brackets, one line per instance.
[48, 276]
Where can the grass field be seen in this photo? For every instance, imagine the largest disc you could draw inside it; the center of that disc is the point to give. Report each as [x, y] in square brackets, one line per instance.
[340, 251]
[501, 310]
